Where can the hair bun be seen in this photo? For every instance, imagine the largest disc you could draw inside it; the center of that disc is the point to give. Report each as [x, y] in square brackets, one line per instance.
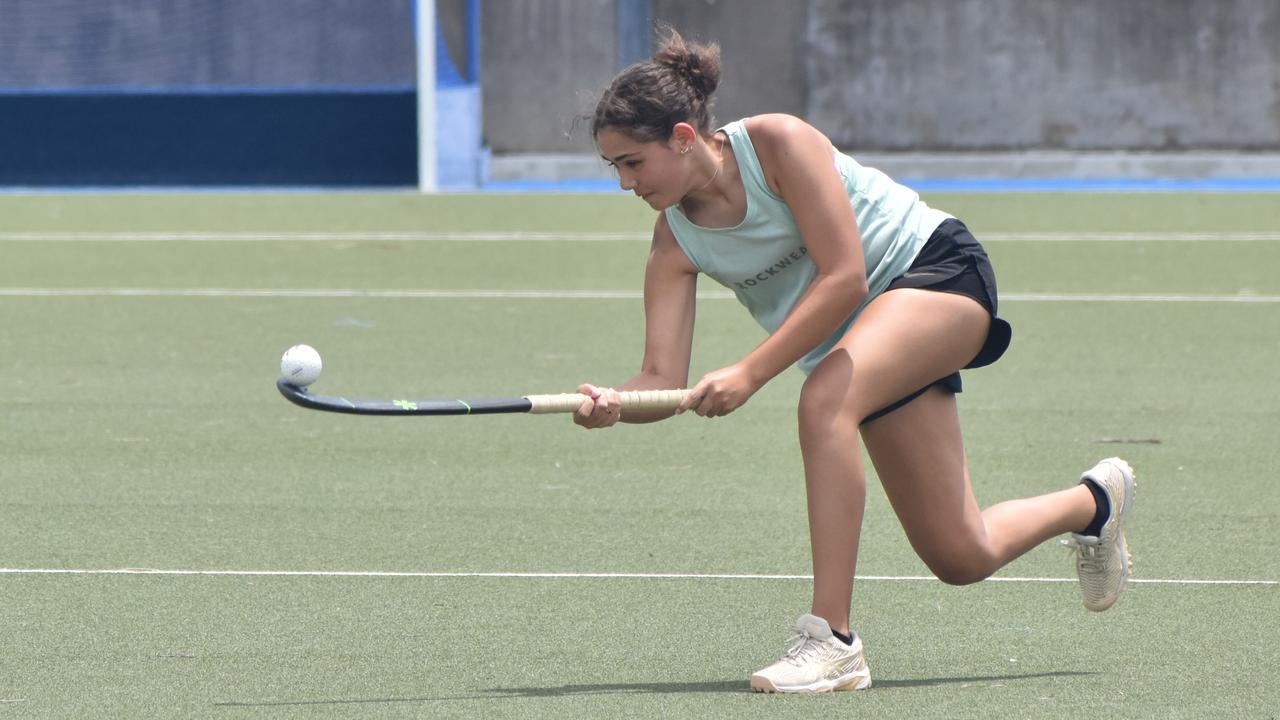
[648, 99]
[698, 65]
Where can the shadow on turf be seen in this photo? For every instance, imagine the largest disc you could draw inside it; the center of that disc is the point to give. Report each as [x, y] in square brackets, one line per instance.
[718, 686]
[738, 686]
[930, 682]
[498, 693]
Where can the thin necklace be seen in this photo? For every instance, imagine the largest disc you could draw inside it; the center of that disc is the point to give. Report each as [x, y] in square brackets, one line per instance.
[719, 164]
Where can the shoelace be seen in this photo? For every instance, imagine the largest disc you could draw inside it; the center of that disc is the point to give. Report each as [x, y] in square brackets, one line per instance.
[1087, 551]
[803, 645]
[1090, 557]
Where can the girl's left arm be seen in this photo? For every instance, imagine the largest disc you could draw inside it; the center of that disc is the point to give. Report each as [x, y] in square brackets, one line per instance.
[799, 165]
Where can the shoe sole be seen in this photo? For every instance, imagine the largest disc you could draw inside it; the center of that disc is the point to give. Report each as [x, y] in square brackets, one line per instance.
[1131, 491]
[765, 685]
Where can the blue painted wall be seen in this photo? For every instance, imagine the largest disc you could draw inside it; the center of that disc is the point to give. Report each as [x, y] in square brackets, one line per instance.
[243, 139]
[230, 92]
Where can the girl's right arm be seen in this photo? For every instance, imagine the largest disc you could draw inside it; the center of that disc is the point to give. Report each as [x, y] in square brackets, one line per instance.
[670, 285]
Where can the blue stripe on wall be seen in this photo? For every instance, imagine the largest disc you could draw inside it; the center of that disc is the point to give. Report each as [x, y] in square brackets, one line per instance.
[200, 139]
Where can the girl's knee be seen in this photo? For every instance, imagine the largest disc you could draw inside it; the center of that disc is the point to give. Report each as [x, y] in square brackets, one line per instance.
[961, 576]
[962, 567]
[827, 394]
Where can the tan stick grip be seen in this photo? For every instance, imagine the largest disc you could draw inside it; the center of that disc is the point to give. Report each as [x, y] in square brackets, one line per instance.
[631, 400]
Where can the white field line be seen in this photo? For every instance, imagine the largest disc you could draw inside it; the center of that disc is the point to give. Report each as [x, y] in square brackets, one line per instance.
[570, 576]
[330, 293]
[353, 236]
[357, 236]
[1161, 298]
[559, 295]
[1132, 237]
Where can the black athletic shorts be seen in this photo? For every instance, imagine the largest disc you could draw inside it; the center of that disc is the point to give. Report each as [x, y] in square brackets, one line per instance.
[953, 261]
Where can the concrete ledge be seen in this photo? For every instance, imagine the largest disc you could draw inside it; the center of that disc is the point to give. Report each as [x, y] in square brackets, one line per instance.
[548, 167]
[1076, 165]
[969, 165]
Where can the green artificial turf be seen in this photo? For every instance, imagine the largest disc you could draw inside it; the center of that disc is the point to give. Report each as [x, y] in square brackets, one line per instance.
[145, 432]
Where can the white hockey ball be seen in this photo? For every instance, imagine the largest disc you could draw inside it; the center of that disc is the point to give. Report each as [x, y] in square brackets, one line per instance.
[300, 365]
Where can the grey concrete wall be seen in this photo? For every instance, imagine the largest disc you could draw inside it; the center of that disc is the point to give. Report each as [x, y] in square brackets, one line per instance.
[1015, 74]
[543, 64]
[762, 50]
[920, 74]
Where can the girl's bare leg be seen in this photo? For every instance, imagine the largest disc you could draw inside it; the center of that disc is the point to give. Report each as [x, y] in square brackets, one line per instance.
[919, 456]
[904, 340]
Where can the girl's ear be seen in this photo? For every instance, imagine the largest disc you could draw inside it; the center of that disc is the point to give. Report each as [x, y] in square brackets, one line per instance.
[682, 136]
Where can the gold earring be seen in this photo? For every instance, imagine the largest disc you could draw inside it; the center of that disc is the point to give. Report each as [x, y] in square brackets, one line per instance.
[685, 150]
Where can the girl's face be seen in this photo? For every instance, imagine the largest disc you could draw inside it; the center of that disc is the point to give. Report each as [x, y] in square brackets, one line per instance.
[653, 170]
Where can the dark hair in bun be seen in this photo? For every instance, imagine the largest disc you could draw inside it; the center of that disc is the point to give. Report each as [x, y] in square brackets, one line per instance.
[647, 99]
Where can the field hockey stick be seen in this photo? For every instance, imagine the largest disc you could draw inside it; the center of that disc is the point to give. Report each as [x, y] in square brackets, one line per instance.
[536, 404]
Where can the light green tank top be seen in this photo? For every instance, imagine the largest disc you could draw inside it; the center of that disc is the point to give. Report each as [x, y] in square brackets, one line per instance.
[763, 259]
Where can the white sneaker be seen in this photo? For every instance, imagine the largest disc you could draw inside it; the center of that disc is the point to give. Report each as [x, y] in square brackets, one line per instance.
[1103, 562]
[816, 662]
